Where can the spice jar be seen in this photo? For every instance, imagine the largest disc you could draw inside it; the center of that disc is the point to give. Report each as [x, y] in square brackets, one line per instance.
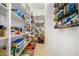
[2, 31]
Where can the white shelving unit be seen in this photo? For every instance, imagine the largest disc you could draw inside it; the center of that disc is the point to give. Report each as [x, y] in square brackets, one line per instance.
[15, 20]
[4, 19]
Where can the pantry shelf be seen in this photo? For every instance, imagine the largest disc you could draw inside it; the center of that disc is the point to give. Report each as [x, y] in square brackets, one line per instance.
[21, 24]
[3, 38]
[16, 17]
[17, 54]
[20, 34]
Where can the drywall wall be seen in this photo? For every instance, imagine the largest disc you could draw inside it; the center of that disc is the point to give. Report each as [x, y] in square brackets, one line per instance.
[60, 42]
[38, 12]
[37, 8]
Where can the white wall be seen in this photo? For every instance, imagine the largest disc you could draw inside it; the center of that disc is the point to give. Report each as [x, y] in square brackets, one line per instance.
[60, 42]
[37, 8]
[38, 12]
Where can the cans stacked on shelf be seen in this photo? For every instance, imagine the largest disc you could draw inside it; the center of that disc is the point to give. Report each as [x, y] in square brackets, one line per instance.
[66, 15]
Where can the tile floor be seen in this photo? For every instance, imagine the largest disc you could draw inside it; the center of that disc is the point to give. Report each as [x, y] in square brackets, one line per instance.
[40, 50]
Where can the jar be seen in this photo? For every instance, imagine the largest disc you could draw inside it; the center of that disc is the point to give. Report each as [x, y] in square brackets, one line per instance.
[3, 32]
[0, 32]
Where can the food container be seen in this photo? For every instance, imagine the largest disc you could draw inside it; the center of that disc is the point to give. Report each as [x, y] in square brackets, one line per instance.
[2, 31]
